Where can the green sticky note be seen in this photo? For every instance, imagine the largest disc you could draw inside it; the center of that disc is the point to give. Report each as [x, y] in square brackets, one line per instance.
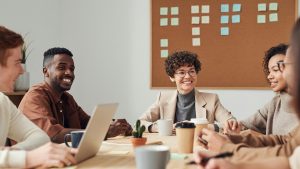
[177, 156]
[205, 9]
[195, 31]
[195, 9]
[261, 18]
[235, 19]
[163, 42]
[273, 6]
[195, 20]
[224, 31]
[163, 11]
[224, 19]
[174, 21]
[174, 10]
[236, 8]
[163, 21]
[164, 53]
[224, 8]
[196, 41]
[205, 19]
[273, 17]
[262, 7]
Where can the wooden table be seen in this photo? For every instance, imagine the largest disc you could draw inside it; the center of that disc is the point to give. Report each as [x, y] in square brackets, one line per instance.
[118, 153]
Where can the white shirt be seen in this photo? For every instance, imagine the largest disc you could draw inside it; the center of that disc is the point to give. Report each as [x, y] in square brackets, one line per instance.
[16, 126]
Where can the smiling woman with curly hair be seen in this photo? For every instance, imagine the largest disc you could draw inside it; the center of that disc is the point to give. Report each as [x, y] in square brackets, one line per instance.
[186, 102]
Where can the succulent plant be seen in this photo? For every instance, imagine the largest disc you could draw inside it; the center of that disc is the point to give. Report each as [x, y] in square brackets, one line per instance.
[139, 130]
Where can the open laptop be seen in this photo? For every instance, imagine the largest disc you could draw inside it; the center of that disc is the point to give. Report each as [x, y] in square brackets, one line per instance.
[95, 131]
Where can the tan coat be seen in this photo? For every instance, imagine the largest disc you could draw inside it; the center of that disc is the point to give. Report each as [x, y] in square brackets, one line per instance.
[252, 147]
[207, 105]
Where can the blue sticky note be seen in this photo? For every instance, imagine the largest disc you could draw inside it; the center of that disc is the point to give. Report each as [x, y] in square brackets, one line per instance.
[224, 31]
[235, 19]
[224, 8]
[224, 19]
[236, 8]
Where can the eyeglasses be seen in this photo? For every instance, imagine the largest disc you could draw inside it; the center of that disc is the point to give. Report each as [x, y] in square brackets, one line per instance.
[182, 74]
[281, 65]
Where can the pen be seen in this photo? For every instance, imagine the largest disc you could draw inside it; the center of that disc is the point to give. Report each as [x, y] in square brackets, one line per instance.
[206, 159]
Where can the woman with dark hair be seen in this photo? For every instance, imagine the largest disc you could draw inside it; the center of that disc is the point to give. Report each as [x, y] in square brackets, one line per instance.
[186, 102]
[291, 72]
[276, 117]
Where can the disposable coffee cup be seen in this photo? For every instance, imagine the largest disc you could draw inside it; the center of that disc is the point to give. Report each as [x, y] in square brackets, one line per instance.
[152, 157]
[165, 127]
[185, 137]
[200, 123]
[75, 137]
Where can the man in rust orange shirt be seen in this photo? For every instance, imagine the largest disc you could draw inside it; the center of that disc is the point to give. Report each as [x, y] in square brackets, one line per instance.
[53, 109]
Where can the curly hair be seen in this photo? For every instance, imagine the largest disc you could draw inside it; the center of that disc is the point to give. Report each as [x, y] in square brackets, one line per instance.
[49, 54]
[275, 50]
[179, 59]
[8, 40]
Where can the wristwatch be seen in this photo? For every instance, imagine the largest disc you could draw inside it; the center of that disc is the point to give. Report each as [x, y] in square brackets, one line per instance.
[216, 127]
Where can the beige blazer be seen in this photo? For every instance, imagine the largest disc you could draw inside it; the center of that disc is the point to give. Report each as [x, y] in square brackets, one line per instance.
[207, 106]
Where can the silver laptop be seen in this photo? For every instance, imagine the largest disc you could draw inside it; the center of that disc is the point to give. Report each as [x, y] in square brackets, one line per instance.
[95, 131]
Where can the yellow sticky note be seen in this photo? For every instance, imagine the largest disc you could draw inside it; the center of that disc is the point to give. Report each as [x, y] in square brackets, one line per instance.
[174, 10]
[196, 41]
[261, 18]
[163, 11]
[273, 17]
[195, 9]
[195, 31]
[174, 21]
[205, 19]
[195, 20]
[163, 21]
[205, 9]
[164, 42]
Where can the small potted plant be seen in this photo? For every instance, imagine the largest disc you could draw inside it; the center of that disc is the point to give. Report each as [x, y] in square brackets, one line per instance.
[138, 139]
[22, 82]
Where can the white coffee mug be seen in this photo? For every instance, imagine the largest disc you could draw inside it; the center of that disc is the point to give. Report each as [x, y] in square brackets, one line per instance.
[152, 157]
[165, 127]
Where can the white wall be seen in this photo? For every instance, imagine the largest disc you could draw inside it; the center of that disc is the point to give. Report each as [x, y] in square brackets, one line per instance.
[110, 41]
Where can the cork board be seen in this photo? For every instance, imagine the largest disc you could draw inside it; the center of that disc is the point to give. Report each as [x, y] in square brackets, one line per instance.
[230, 48]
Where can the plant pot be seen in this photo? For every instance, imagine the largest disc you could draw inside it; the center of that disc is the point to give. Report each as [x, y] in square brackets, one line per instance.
[138, 141]
[23, 82]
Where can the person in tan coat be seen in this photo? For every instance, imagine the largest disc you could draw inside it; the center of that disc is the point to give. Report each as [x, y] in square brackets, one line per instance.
[186, 102]
[275, 151]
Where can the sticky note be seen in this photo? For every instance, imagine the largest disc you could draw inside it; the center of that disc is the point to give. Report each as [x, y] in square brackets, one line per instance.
[224, 8]
[195, 9]
[174, 10]
[164, 53]
[224, 19]
[163, 42]
[261, 18]
[163, 11]
[224, 31]
[273, 17]
[195, 31]
[163, 21]
[205, 9]
[262, 7]
[205, 19]
[236, 8]
[235, 19]
[196, 41]
[273, 6]
[174, 21]
[195, 20]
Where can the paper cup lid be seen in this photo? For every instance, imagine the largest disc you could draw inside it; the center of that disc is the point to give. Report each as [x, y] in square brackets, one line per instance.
[199, 121]
[185, 125]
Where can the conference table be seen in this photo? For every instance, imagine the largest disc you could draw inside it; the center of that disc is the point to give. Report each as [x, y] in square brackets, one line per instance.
[118, 153]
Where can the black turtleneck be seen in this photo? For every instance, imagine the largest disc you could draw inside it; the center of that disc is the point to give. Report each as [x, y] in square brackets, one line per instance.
[185, 106]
